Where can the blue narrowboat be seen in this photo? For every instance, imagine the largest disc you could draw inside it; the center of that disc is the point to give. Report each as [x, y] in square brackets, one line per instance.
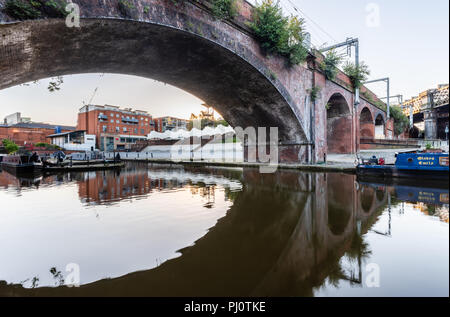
[421, 165]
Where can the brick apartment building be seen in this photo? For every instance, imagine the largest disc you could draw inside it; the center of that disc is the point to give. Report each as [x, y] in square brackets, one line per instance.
[115, 128]
[164, 124]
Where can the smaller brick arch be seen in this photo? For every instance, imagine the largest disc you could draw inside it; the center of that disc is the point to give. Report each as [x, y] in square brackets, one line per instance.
[366, 199]
[366, 127]
[339, 125]
[380, 124]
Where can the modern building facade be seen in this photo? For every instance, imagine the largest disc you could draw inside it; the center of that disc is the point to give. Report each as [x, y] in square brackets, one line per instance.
[167, 123]
[114, 128]
[16, 118]
[74, 141]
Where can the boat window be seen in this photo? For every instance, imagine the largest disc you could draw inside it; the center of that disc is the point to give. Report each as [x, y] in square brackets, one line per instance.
[410, 160]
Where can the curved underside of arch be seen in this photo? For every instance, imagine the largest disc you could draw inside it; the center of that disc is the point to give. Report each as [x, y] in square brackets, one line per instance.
[222, 78]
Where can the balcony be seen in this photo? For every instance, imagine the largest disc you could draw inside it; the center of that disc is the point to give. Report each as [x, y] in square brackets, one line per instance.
[130, 120]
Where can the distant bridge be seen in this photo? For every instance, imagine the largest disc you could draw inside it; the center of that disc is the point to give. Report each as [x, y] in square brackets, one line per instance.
[430, 107]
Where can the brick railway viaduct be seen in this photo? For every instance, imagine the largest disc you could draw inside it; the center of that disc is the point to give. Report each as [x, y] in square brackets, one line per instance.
[219, 61]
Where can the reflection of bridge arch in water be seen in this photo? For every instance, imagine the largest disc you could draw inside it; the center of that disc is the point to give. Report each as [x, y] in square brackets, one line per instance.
[271, 242]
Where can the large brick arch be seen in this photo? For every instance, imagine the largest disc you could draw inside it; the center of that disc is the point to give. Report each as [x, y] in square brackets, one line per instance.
[182, 45]
[339, 124]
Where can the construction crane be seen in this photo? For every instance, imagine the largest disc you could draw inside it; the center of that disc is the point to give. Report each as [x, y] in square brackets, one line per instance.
[92, 97]
[209, 113]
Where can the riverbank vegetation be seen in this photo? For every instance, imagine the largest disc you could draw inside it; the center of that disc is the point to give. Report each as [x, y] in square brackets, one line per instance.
[47, 146]
[10, 146]
[401, 121]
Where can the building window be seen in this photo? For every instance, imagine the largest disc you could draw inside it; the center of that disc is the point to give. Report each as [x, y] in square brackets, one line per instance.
[117, 129]
[104, 128]
[117, 121]
[112, 120]
[112, 114]
[135, 131]
[146, 119]
[142, 131]
[124, 129]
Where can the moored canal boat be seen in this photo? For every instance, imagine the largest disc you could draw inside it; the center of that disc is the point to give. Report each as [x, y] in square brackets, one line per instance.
[419, 165]
[22, 164]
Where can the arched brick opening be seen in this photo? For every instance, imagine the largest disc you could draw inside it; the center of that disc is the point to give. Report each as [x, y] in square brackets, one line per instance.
[366, 198]
[366, 127]
[339, 202]
[339, 125]
[379, 127]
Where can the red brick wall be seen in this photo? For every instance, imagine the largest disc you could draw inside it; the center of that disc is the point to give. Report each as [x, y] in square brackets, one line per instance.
[367, 130]
[339, 135]
[22, 136]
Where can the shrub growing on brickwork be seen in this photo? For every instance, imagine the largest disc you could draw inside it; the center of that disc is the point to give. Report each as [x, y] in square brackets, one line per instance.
[314, 92]
[224, 9]
[127, 8]
[21, 9]
[329, 64]
[377, 103]
[279, 34]
[34, 9]
[357, 74]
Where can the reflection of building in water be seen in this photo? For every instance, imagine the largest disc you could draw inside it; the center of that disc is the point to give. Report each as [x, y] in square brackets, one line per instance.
[110, 186]
[133, 182]
[206, 192]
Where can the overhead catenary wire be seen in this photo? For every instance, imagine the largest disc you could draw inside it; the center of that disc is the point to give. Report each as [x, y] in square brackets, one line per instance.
[301, 12]
[314, 34]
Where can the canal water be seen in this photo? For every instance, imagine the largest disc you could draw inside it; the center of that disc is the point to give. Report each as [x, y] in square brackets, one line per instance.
[169, 230]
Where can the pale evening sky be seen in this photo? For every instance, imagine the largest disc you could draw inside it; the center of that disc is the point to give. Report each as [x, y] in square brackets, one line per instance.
[410, 45]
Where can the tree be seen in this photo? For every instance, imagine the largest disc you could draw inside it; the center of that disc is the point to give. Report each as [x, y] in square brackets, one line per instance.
[10, 146]
[401, 121]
